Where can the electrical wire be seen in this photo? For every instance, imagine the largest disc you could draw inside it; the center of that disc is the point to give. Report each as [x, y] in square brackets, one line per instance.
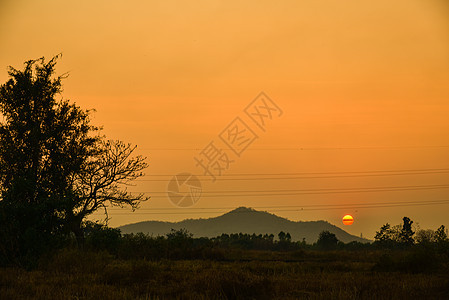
[292, 176]
[297, 208]
[304, 148]
[285, 192]
[412, 171]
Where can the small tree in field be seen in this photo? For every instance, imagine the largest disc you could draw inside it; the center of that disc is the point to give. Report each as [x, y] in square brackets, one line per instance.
[384, 235]
[284, 237]
[406, 234]
[55, 168]
[388, 236]
[441, 235]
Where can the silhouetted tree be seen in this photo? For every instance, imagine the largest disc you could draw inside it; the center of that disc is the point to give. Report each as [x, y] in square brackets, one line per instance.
[284, 237]
[327, 240]
[101, 237]
[98, 182]
[386, 236]
[284, 242]
[441, 235]
[179, 235]
[269, 237]
[55, 168]
[281, 236]
[425, 236]
[42, 141]
[406, 233]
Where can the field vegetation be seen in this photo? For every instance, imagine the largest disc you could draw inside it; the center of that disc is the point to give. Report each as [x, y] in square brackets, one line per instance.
[239, 266]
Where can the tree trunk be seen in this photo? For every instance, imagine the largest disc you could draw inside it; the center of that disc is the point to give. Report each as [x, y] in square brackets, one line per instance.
[79, 234]
[76, 227]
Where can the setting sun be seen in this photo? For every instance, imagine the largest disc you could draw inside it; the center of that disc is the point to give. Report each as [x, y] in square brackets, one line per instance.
[348, 220]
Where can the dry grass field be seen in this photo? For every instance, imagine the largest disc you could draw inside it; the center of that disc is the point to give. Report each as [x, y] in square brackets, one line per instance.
[242, 274]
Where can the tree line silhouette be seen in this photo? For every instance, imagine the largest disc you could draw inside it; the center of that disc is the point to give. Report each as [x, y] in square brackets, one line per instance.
[410, 254]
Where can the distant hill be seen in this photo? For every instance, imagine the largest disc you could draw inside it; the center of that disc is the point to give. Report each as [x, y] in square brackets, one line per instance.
[244, 220]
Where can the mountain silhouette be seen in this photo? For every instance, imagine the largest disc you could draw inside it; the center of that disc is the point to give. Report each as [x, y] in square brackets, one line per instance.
[244, 220]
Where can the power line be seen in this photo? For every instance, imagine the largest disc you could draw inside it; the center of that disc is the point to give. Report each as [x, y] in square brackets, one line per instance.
[285, 192]
[320, 189]
[296, 207]
[292, 176]
[299, 177]
[304, 148]
[307, 207]
[445, 170]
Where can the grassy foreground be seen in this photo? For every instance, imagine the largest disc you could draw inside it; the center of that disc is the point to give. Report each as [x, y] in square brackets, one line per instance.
[243, 274]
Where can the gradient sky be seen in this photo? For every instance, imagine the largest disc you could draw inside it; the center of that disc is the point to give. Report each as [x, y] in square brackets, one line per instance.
[363, 85]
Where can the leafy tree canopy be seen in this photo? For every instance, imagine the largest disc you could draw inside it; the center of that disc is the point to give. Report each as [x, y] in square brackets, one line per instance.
[55, 167]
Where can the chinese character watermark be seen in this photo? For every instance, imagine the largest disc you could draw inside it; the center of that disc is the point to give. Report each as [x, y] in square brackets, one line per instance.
[218, 155]
[238, 136]
[262, 110]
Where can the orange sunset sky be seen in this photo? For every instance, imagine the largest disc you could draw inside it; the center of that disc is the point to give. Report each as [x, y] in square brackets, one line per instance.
[363, 86]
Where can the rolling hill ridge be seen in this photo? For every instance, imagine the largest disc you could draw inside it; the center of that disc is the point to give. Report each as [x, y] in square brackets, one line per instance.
[244, 220]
